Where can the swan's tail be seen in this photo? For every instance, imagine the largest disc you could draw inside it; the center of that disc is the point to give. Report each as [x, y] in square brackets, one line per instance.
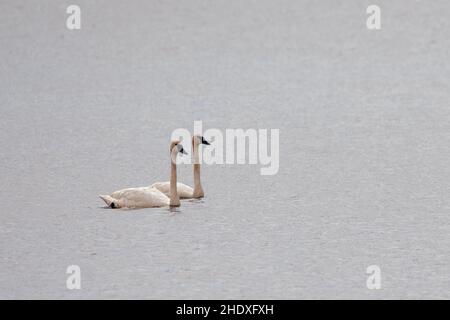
[110, 201]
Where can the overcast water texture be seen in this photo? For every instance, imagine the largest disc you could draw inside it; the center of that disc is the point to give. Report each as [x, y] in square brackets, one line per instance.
[364, 175]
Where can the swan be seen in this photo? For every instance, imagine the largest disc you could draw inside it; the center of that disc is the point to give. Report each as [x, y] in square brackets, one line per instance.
[185, 191]
[148, 197]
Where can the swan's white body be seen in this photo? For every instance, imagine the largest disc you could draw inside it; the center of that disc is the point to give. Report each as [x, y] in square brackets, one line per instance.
[184, 191]
[142, 197]
[148, 197]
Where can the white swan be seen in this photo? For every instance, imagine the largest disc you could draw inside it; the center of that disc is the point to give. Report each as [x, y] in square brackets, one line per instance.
[148, 197]
[185, 191]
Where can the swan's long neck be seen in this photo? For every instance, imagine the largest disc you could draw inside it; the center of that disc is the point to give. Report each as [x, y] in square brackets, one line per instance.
[198, 190]
[174, 198]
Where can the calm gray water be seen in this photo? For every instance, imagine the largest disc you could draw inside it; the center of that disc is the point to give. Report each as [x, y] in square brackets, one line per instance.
[364, 121]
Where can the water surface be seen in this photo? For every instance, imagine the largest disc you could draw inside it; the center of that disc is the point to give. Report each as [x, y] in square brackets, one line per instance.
[364, 123]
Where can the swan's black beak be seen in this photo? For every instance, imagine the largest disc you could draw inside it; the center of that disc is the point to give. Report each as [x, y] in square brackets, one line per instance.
[181, 149]
[205, 142]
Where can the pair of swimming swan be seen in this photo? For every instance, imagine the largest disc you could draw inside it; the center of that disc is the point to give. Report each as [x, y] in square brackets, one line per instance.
[162, 194]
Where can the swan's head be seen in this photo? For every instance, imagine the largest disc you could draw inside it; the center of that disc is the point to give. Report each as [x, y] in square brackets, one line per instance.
[197, 140]
[175, 148]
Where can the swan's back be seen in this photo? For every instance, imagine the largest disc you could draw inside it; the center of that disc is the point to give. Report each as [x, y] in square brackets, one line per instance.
[143, 197]
[183, 190]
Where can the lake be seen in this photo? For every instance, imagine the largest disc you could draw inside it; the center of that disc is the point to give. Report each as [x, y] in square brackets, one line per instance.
[363, 179]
